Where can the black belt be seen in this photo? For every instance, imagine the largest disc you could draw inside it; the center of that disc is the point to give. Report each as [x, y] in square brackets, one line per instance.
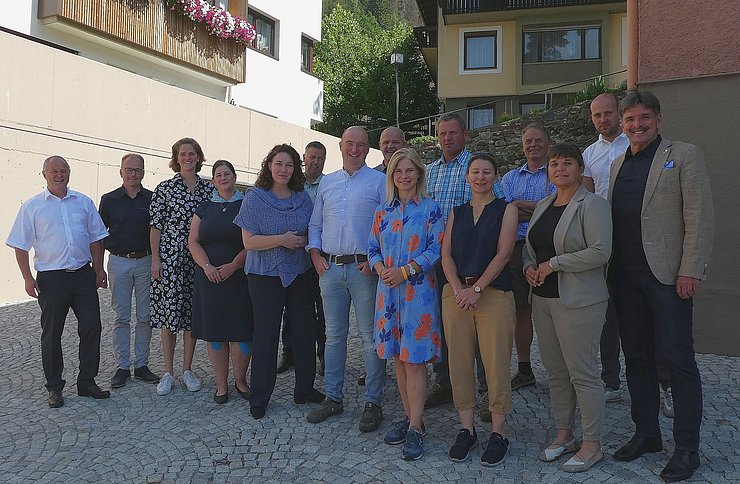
[340, 260]
[139, 254]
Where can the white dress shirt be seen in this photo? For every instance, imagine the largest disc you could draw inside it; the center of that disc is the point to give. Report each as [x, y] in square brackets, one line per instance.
[598, 160]
[60, 230]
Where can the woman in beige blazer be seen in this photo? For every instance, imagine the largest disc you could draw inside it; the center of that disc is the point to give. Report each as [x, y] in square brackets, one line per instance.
[568, 245]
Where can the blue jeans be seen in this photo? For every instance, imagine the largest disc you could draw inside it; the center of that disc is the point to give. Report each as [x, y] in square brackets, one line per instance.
[127, 277]
[340, 286]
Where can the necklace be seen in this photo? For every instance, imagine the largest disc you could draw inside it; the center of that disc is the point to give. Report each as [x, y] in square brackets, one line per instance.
[224, 206]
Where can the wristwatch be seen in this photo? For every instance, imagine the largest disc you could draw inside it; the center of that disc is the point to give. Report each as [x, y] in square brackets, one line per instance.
[477, 289]
[412, 271]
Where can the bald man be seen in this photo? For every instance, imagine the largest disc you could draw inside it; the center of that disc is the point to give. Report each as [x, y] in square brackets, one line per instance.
[66, 233]
[391, 140]
[338, 241]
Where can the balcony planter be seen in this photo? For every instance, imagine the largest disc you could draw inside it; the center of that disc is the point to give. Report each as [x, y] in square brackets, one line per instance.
[218, 21]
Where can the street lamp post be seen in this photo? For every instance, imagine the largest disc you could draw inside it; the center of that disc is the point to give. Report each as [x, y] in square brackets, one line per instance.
[396, 61]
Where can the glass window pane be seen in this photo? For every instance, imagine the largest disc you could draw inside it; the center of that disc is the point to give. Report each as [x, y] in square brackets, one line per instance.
[592, 44]
[305, 55]
[561, 45]
[531, 47]
[480, 52]
[480, 117]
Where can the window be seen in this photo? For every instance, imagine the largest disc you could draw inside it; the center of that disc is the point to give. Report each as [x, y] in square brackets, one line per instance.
[527, 108]
[306, 54]
[480, 50]
[481, 116]
[562, 44]
[265, 27]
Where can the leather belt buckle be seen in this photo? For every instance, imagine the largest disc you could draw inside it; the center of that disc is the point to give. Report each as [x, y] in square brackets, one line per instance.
[469, 280]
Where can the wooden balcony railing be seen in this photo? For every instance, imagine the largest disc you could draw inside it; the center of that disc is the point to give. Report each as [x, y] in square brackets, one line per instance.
[149, 26]
[452, 7]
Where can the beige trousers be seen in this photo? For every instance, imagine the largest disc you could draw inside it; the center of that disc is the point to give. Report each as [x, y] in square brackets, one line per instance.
[569, 346]
[491, 326]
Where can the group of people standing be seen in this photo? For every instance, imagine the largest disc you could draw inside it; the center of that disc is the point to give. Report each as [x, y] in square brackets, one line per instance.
[448, 264]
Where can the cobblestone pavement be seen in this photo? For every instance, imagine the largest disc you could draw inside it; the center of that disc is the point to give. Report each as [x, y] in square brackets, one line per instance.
[137, 436]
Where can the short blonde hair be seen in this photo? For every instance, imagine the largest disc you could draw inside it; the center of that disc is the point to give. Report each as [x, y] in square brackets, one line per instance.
[391, 192]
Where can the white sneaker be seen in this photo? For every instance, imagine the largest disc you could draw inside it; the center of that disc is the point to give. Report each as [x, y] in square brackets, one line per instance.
[666, 402]
[190, 381]
[612, 395]
[165, 384]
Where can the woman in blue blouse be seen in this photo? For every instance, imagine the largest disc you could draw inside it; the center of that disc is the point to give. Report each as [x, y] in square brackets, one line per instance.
[274, 220]
[404, 245]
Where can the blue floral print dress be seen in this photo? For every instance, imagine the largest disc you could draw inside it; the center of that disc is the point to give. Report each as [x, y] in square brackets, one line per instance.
[407, 318]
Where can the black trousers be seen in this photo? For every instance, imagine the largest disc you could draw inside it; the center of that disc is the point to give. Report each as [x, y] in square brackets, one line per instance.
[319, 315]
[269, 297]
[610, 348]
[656, 324]
[58, 292]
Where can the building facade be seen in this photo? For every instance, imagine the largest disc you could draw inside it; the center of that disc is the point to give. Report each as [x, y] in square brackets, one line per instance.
[491, 57]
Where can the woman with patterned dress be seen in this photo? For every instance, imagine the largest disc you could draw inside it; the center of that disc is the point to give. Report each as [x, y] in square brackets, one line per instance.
[404, 245]
[222, 308]
[478, 306]
[274, 220]
[173, 204]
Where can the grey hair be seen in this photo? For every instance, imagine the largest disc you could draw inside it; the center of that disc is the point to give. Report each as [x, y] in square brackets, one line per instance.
[452, 117]
[54, 157]
[646, 98]
[538, 127]
[134, 156]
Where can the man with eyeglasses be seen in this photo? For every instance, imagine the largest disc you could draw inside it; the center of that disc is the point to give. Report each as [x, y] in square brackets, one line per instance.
[125, 212]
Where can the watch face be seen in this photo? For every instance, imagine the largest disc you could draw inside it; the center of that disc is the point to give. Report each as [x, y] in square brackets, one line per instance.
[412, 271]
[477, 289]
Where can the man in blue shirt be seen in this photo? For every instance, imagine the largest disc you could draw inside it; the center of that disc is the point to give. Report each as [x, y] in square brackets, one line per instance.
[338, 242]
[66, 234]
[524, 187]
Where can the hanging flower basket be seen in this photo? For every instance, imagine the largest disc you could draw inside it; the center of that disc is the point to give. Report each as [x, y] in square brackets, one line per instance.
[218, 21]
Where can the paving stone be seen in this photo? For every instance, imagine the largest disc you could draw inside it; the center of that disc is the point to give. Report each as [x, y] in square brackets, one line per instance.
[137, 436]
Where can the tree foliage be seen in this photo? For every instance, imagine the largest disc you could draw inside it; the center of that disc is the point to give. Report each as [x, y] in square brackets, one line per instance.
[353, 59]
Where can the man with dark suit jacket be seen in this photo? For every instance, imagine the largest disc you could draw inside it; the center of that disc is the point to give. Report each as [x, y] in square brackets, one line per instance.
[663, 228]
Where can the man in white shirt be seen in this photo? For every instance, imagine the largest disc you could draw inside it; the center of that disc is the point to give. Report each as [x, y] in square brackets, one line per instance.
[66, 233]
[598, 157]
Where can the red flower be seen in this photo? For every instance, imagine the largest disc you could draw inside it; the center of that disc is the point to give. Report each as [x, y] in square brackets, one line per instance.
[413, 243]
[410, 292]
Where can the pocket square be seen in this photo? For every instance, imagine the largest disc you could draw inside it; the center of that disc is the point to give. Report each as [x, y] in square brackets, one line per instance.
[669, 164]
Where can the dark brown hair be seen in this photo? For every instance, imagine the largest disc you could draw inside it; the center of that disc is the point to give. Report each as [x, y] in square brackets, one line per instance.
[225, 163]
[264, 179]
[566, 150]
[175, 165]
[482, 155]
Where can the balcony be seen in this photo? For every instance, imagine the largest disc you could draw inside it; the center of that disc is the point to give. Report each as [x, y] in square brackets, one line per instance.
[454, 7]
[148, 26]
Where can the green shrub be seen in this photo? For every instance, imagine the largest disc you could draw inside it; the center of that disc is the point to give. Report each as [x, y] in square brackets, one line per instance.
[592, 89]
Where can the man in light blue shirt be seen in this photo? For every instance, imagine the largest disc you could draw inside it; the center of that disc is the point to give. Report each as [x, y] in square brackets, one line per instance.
[66, 233]
[337, 241]
[524, 187]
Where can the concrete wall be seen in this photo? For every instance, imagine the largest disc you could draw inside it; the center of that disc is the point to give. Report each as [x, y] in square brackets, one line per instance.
[90, 113]
[698, 111]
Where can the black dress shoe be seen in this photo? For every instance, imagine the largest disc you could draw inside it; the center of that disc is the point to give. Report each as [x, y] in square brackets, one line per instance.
[144, 373]
[119, 379]
[314, 397]
[257, 412]
[681, 466]
[92, 390]
[286, 362]
[637, 446]
[55, 399]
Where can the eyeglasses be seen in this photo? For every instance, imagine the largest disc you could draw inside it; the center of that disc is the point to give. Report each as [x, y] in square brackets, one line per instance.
[131, 171]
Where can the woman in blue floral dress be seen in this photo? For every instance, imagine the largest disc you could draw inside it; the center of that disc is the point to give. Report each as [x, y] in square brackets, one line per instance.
[404, 246]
